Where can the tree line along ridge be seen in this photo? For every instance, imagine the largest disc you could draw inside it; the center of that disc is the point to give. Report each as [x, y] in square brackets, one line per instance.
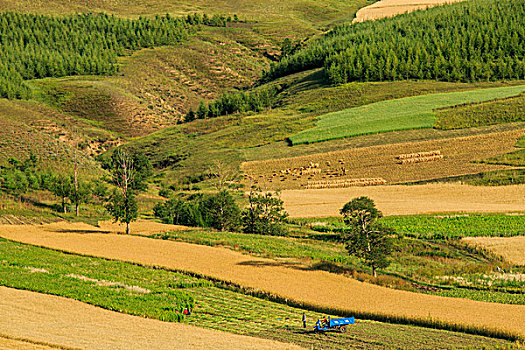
[470, 41]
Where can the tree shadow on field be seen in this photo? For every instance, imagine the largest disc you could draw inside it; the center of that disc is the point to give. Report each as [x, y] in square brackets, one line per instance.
[287, 264]
[320, 266]
[81, 232]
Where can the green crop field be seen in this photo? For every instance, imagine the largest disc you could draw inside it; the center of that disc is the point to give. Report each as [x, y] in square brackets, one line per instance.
[161, 294]
[436, 226]
[398, 114]
[458, 226]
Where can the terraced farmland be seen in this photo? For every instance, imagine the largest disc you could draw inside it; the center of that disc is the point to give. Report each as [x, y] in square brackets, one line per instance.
[216, 308]
[398, 114]
[407, 200]
[301, 286]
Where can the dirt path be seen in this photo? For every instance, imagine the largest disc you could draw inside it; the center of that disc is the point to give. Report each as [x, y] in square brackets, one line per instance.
[511, 248]
[390, 8]
[404, 200]
[38, 321]
[313, 287]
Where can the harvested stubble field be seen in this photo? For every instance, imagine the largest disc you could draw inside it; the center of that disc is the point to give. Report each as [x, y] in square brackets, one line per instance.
[69, 324]
[511, 248]
[382, 161]
[277, 278]
[390, 8]
[406, 200]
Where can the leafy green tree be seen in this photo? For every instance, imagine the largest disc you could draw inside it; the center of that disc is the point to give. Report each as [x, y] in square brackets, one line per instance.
[366, 238]
[61, 187]
[123, 208]
[265, 214]
[202, 111]
[220, 211]
[179, 211]
[80, 194]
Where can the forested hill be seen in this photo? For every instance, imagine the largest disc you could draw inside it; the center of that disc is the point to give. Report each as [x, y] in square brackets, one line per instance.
[35, 46]
[476, 40]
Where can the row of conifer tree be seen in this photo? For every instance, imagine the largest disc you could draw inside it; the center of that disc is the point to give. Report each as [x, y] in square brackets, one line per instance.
[477, 40]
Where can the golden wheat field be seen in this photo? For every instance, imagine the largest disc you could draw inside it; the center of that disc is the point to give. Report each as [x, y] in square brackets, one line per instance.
[390, 8]
[511, 248]
[312, 287]
[31, 320]
[406, 200]
[451, 157]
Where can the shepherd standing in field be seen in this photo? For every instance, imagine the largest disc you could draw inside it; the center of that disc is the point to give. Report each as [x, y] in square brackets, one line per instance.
[304, 320]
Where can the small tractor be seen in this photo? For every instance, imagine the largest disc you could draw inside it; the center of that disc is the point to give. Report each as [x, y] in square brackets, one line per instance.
[334, 324]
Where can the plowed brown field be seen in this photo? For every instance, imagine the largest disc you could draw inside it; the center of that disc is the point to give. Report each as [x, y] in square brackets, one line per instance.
[38, 321]
[405, 200]
[390, 8]
[511, 248]
[382, 162]
[312, 287]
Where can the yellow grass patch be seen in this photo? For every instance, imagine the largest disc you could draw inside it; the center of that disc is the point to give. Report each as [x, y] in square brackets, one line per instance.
[404, 200]
[455, 158]
[390, 8]
[318, 288]
[511, 248]
[64, 323]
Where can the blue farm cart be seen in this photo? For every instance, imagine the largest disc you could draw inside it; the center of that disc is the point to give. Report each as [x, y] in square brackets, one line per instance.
[334, 324]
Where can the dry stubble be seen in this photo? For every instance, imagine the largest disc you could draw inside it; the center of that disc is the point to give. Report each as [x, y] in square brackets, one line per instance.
[407, 200]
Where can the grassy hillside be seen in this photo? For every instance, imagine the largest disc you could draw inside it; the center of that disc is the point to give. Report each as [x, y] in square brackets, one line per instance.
[494, 112]
[398, 114]
[236, 138]
[273, 17]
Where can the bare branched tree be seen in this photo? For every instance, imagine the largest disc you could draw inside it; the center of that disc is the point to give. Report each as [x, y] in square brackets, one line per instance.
[224, 174]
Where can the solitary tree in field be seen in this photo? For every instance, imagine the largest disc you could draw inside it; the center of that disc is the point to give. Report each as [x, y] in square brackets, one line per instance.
[128, 173]
[366, 238]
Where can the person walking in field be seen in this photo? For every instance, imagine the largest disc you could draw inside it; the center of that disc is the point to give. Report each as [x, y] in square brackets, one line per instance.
[304, 320]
